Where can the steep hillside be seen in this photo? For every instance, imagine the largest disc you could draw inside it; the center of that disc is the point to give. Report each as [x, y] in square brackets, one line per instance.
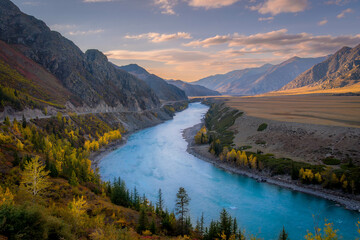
[264, 79]
[193, 89]
[339, 70]
[88, 76]
[163, 90]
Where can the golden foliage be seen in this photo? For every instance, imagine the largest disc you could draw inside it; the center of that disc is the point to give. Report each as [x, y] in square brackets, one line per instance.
[34, 177]
[6, 197]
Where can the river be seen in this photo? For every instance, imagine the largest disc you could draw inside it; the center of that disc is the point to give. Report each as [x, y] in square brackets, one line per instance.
[156, 158]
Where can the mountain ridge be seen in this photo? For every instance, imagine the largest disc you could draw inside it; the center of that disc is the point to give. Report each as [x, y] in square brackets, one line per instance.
[163, 89]
[89, 76]
[252, 81]
[339, 70]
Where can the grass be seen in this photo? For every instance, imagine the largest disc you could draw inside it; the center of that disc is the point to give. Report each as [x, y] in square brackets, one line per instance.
[219, 119]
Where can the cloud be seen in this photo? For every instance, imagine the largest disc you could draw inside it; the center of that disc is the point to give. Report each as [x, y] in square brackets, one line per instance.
[211, 3]
[189, 65]
[167, 6]
[96, 1]
[282, 42]
[157, 37]
[337, 2]
[167, 56]
[342, 14]
[29, 3]
[83, 33]
[62, 27]
[323, 22]
[266, 19]
[275, 7]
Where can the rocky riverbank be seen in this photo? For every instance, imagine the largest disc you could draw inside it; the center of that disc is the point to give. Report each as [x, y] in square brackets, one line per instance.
[351, 202]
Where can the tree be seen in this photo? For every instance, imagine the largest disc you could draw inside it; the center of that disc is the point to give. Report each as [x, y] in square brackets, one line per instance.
[160, 203]
[34, 177]
[73, 180]
[328, 233]
[283, 235]
[23, 121]
[181, 206]
[143, 221]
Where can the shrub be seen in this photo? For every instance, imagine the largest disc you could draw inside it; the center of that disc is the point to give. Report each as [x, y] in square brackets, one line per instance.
[331, 161]
[21, 223]
[262, 127]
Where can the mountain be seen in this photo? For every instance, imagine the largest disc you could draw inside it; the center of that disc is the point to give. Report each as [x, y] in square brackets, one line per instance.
[86, 79]
[221, 82]
[264, 79]
[192, 90]
[163, 90]
[339, 70]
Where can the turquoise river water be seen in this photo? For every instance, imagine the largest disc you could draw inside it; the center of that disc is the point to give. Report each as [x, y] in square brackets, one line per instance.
[156, 158]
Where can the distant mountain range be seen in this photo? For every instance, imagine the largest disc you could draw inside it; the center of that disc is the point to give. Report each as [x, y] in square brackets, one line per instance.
[339, 70]
[54, 68]
[252, 81]
[193, 90]
[163, 90]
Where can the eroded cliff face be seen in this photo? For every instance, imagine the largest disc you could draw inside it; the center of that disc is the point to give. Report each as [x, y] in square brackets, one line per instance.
[88, 76]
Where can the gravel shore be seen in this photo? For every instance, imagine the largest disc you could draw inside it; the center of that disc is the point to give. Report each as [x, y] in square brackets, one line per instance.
[351, 202]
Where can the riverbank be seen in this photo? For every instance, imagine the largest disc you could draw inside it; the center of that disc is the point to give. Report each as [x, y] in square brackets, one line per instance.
[350, 202]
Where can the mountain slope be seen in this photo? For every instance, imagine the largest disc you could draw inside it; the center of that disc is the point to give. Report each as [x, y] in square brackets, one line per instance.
[264, 79]
[339, 70]
[221, 82]
[89, 76]
[163, 90]
[192, 89]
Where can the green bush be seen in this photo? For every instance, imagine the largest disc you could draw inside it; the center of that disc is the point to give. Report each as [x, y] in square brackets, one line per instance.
[262, 127]
[21, 223]
[331, 161]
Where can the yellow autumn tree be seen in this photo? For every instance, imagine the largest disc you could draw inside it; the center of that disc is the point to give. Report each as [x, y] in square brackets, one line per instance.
[78, 208]
[318, 177]
[6, 197]
[35, 178]
[252, 161]
[231, 156]
[328, 233]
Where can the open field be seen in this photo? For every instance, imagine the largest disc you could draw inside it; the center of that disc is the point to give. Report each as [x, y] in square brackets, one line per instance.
[301, 127]
[313, 109]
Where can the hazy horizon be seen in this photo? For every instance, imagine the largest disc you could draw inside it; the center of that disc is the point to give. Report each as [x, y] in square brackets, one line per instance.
[192, 39]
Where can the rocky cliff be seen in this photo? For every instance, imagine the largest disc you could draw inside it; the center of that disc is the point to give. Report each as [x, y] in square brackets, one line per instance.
[339, 70]
[88, 76]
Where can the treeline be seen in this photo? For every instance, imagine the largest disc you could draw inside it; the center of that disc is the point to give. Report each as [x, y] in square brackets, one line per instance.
[155, 219]
[216, 133]
[62, 143]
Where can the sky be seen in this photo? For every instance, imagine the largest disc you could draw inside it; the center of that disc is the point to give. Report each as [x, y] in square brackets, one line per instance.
[192, 39]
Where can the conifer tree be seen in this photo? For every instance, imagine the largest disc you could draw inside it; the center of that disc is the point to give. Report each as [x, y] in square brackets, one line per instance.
[181, 207]
[283, 235]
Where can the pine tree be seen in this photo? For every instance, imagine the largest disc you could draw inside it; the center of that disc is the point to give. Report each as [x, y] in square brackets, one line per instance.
[34, 177]
[181, 207]
[283, 235]
[160, 203]
[142, 223]
[153, 227]
[73, 180]
[23, 121]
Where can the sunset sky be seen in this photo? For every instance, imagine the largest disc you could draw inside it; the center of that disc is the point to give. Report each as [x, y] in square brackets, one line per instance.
[192, 39]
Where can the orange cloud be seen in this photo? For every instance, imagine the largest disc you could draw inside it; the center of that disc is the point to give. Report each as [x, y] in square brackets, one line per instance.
[275, 7]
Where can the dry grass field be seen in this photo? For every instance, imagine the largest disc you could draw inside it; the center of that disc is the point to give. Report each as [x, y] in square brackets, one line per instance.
[312, 109]
[306, 127]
